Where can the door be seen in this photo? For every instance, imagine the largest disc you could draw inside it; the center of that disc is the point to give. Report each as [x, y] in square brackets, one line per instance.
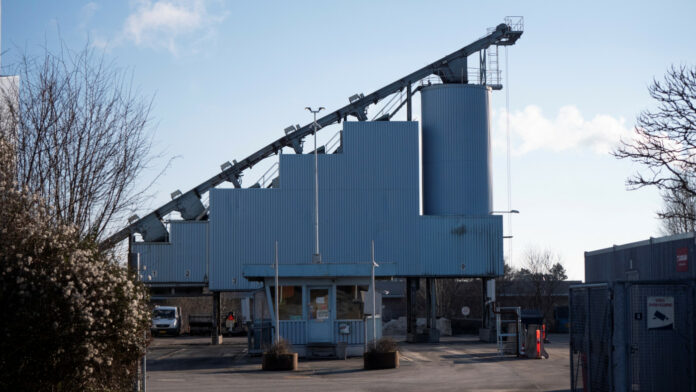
[319, 315]
[660, 350]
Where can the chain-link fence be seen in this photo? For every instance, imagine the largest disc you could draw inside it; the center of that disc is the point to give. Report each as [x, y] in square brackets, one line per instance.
[636, 336]
[590, 337]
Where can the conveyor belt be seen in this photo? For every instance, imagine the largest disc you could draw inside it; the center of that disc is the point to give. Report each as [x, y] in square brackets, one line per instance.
[450, 69]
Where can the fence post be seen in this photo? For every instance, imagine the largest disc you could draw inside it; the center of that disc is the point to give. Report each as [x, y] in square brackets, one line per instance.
[570, 346]
[588, 351]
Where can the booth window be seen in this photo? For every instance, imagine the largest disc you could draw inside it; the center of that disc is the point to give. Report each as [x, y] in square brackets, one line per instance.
[349, 303]
[290, 302]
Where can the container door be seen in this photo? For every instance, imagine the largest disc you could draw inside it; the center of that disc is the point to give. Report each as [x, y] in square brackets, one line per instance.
[661, 339]
[319, 315]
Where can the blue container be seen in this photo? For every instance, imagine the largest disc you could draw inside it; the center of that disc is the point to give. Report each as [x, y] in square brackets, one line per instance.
[665, 258]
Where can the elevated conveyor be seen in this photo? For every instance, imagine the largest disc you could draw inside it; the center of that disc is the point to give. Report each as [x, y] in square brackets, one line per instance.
[449, 69]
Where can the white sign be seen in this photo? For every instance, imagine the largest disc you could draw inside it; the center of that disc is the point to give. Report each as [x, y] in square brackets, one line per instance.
[660, 312]
[320, 300]
[466, 311]
[322, 314]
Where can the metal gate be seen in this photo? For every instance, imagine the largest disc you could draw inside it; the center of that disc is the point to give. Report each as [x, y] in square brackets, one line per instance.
[633, 336]
[661, 336]
[590, 338]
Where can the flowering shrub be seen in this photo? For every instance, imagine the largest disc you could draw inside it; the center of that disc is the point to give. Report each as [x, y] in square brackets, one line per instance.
[71, 318]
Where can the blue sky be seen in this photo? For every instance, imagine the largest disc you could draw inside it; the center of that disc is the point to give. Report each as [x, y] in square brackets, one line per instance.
[227, 77]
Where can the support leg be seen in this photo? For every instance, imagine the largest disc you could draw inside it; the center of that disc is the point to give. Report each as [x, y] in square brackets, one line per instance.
[409, 108]
[217, 330]
[484, 306]
[431, 294]
[487, 333]
[411, 288]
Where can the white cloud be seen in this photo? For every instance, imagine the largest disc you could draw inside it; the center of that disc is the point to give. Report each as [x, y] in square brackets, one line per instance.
[530, 130]
[169, 23]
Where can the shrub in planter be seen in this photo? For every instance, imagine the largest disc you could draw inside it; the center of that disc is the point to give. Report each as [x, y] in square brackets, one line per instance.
[383, 354]
[279, 357]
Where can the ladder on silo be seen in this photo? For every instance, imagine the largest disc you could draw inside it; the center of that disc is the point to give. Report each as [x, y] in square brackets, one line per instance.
[509, 342]
[493, 68]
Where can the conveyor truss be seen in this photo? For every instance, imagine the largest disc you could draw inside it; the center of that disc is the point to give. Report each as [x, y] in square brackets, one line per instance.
[452, 68]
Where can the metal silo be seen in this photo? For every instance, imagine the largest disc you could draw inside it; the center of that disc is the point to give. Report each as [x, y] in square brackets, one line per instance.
[456, 150]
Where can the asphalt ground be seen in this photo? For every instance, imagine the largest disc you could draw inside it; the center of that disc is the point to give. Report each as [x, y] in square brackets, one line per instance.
[459, 363]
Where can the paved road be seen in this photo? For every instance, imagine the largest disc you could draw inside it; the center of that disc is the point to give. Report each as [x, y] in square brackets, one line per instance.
[459, 363]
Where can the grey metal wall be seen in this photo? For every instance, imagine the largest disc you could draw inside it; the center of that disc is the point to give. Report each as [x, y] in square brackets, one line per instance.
[653, 259]
[456, 150]
[612, 347]
[181, 260]
[369, 192]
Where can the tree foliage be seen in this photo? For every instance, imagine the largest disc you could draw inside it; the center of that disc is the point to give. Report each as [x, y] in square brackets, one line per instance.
[81, 136]
[664, 144]
[72, 318]
[537, 281]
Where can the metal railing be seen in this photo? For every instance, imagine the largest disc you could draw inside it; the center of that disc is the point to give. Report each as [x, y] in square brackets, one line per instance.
[516, 23]
[334, 143]
[267, 178]
[493, 77]
[509, 341]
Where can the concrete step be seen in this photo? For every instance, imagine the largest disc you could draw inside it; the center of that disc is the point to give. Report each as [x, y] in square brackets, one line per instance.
[321, 350]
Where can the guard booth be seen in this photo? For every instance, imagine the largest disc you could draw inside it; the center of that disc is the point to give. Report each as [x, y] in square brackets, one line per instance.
[319, 316]
[632, 326]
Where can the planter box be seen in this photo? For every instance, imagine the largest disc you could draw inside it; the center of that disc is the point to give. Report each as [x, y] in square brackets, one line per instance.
[279, 362]
[381, 360]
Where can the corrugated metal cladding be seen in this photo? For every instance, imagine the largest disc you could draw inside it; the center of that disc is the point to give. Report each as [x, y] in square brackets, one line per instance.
[666, 258]
[369, 192]
[294, 331]
[462, 245]
[182, 259]
[456, 150]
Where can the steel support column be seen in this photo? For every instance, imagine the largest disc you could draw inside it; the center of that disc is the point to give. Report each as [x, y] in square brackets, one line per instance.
[409, 106]
[431, 310]
[411, 289]
[216, 335]
[485, 319]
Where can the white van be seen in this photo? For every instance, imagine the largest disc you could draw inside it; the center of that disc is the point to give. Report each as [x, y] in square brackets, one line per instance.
[166, 320]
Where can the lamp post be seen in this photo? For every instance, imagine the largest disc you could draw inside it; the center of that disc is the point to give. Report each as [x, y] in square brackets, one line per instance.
[277, 294]
[316, 258]
[374, 300]
[505, 212]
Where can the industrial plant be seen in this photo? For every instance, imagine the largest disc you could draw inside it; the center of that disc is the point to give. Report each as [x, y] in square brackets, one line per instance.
[320, 226]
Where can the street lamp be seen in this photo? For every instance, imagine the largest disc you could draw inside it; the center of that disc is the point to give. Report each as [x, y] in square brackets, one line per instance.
[374, 299]
[316, 257]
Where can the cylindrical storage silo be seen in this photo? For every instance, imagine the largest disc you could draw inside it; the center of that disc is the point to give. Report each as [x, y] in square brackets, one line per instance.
[456, 150]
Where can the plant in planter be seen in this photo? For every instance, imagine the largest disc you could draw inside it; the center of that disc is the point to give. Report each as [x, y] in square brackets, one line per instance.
[383, 354]
[279, 357]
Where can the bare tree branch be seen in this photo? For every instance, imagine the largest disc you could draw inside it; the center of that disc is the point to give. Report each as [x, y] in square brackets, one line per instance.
[665, 145]
[665, 139]
[82, 136]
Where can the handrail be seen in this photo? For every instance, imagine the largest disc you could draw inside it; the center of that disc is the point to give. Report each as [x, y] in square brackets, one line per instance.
[335, 140]
[270, 173]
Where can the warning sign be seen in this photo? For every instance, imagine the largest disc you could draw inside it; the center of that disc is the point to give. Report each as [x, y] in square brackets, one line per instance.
[683, 260]
[660, 312]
